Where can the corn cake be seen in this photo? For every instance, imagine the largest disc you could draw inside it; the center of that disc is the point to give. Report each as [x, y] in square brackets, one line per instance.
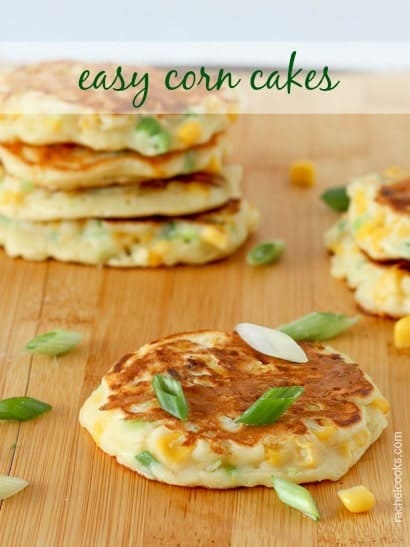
[326, 431]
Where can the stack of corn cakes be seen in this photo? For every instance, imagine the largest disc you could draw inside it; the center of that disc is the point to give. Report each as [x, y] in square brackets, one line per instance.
[371, 242]
[85, 178]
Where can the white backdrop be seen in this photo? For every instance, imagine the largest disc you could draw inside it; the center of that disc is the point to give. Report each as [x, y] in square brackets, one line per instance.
[239, 20]
[363, 56]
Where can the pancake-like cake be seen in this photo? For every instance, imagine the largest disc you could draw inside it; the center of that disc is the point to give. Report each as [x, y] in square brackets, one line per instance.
[326, 431]
[381, 288]
[182, 195]
[379, 214]
[70, 167]
[43, 104]
[153, 241]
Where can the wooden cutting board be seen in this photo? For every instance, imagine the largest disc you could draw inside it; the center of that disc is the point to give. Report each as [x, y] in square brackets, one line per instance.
[78, 496]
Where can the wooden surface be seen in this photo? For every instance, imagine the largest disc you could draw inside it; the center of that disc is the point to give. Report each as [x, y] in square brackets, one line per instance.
[79, 496]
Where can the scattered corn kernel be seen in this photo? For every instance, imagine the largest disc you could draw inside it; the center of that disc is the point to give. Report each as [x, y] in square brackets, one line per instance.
[357, 499]
[402, 333]
[303, 173]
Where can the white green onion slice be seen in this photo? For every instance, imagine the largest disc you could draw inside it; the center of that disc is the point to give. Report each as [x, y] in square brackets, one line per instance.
[170, 396]
[146, 458]
[56, 342]
[271, 342]
[266, 252]
[336, 198]
[271, 405]
[152, 133]
[296, 496]
[10, 486]
[22, 408]
[319, 326]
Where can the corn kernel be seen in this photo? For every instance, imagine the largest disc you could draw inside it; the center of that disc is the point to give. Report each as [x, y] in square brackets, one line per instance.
[214, 165]
[274, 456]
[381, 404]
[393, 172]
[402, 333]
[190, 133]
[357, 499]
[215, 237]
[169, 448]
[303, 173]
[11, 198]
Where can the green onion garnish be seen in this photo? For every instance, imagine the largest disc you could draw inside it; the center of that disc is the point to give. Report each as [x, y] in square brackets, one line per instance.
[153, 134]
[55, 342]
[146, 458]
[271, 405]
[22, 408]
[10, 486]
[319, 326]
[336, 198]
[296, 496]
[229, 468]
[266, 252]
[170, 396]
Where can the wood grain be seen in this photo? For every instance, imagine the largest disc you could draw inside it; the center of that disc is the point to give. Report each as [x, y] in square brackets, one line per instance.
[79, 496]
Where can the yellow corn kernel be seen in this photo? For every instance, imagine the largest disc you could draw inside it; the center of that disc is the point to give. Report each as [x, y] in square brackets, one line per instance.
[99, 427]
[360, 202]
[169, 448]
[232, 115]
[345, 450]
[381, 404]
[357, 499]
[361, 438]
[402, 333]
[154, 258]
[215, 237]
[273, 456]
[393, 172]
[190, 133]
[11, 198]
[303, 173]
[324, 433]
[214, 165]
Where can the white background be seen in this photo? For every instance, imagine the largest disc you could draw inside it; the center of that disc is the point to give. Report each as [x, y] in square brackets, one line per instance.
[212, 20]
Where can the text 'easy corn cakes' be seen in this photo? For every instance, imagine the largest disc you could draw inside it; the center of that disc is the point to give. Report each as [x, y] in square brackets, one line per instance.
[158, 241]
[379, 214]
[326, 431]
[381, 288]
[69, 167]
[181, 195]
[42, 104]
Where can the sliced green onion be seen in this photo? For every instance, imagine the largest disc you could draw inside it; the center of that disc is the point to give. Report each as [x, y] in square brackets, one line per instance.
[153, 135]
[56, 342]
[336, 198]
[146, 458]
[10, 486]
[174, 229]
[170, 230]
[296, 496]
[271, 405]
[22, 408]
[229, 468]
[170, 396]
[319, 326]
[271, 342]
[266, 252]
[189, 161]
